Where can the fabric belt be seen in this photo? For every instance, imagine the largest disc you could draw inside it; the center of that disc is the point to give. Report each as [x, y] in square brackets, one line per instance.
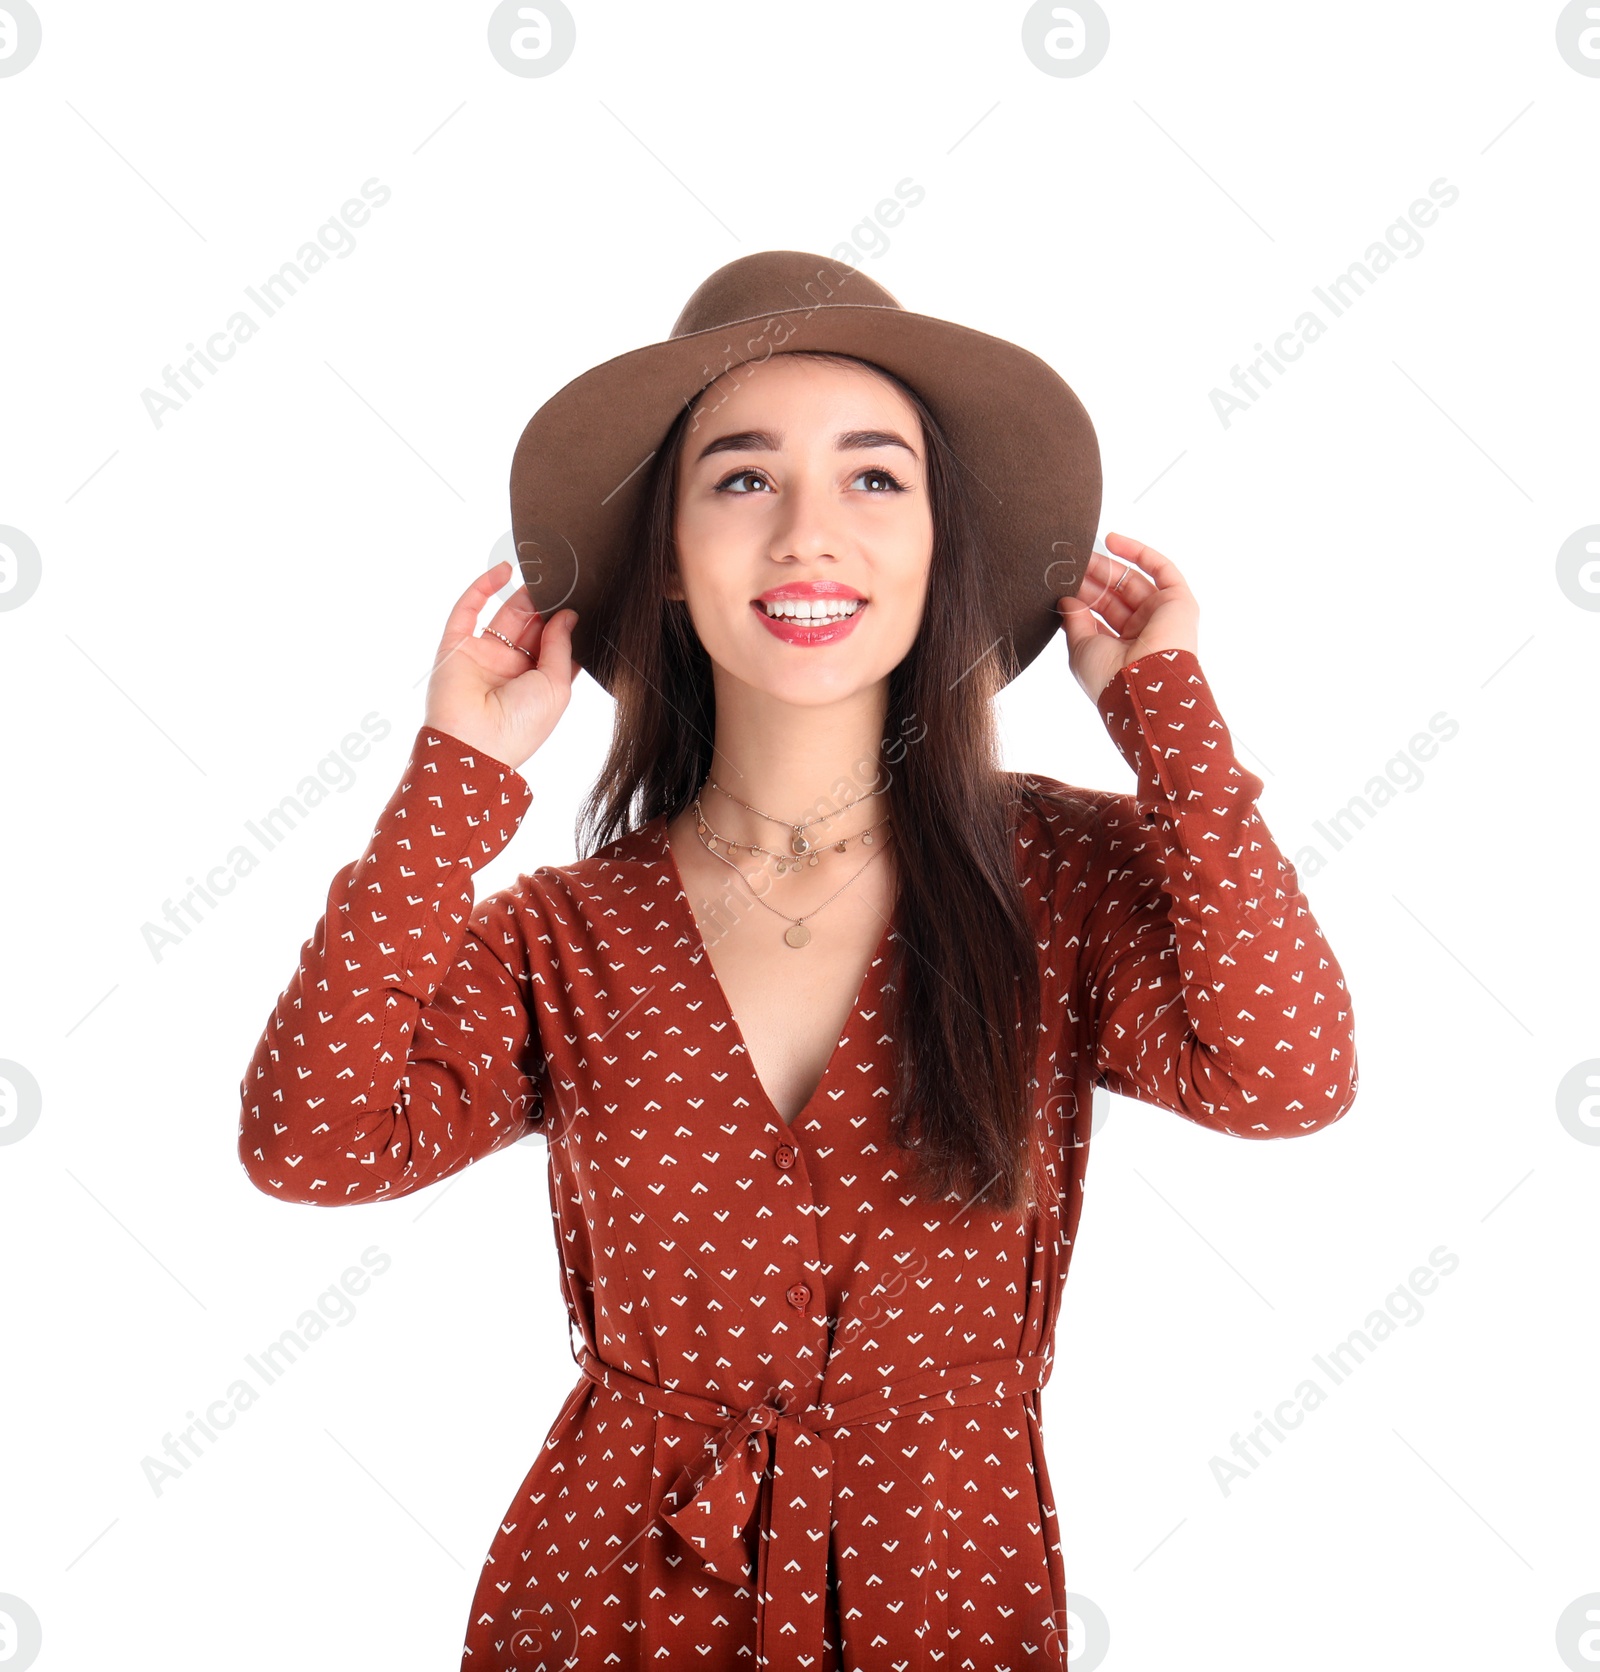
[710, 1503]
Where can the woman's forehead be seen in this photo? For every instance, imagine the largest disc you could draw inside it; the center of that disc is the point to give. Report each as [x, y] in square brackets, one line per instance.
[753, 394]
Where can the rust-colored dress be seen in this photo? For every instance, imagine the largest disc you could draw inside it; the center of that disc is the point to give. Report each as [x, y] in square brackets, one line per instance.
[807, 1430]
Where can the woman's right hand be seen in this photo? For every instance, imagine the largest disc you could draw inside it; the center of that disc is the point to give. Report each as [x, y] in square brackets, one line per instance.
[491, 696]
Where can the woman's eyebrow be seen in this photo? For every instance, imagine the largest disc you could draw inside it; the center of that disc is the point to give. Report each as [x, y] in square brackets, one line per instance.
[764, 441]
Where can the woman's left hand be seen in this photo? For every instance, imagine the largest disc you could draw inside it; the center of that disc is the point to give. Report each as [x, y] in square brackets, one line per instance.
[1143, 611]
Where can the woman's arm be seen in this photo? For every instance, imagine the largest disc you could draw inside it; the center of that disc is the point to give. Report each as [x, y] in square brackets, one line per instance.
[1208, 986]
[401, 1051]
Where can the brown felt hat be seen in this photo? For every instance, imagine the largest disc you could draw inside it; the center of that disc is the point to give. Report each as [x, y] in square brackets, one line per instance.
[1021, 435]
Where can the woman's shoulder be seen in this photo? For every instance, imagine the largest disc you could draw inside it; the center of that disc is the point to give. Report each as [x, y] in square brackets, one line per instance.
[1066, 829]
[621, 863]
[576, 902]
[1062, 808]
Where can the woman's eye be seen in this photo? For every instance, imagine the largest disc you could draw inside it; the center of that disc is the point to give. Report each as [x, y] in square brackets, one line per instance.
[891, 482]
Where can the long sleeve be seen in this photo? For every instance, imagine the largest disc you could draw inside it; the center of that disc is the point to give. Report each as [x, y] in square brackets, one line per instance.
[402, 1049]
[1209, 988]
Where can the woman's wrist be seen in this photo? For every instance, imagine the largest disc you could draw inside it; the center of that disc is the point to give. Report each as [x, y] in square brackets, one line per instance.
[474, 741]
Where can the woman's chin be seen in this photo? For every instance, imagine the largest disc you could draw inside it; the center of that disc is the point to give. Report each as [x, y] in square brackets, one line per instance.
[805, 681]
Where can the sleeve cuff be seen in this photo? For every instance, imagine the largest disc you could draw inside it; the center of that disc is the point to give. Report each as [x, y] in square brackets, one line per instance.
[454, 810]
[1164, 720]
[455, 805]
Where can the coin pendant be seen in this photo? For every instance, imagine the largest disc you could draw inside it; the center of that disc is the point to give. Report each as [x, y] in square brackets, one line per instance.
[797, 934]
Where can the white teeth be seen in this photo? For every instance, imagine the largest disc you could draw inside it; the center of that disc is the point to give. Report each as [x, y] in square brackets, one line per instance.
[817, 609]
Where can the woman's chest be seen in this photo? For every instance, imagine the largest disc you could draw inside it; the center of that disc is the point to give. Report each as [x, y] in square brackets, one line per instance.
[648, 1054]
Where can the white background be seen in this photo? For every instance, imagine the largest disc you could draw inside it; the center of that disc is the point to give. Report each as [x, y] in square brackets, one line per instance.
[224, 597]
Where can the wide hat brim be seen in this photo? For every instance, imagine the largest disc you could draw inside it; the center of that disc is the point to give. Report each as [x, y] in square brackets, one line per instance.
[1021, 436]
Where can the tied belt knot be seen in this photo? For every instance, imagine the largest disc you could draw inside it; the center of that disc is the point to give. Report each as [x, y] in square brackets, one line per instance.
[710, 1502]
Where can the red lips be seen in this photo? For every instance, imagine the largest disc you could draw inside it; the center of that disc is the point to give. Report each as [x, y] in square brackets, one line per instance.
[809, 589]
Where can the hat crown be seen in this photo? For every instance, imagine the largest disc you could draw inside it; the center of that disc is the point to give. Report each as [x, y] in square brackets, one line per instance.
[776, 281]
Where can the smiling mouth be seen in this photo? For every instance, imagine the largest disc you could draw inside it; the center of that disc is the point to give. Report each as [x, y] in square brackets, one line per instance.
[805, 612]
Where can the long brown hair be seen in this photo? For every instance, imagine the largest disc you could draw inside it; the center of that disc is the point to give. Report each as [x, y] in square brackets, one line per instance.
[964, 971]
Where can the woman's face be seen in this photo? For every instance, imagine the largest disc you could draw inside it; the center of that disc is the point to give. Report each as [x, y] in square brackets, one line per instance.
[802, 484]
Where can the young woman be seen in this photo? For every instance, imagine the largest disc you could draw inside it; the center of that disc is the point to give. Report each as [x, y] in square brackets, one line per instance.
[812, 1030]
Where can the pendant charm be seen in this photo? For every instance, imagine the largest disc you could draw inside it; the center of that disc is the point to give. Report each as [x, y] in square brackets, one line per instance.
[797, 934]
[799, 842]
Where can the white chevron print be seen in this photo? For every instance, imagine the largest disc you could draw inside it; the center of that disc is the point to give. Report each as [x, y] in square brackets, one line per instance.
[806, 1429]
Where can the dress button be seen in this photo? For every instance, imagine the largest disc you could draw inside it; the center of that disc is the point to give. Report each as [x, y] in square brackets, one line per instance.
[799, 1296]
[784, 1156]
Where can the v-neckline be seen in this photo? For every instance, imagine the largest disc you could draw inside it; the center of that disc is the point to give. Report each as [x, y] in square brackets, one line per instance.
[702, 952]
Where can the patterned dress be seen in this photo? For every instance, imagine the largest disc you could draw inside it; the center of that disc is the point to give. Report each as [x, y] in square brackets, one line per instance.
[806, 1433]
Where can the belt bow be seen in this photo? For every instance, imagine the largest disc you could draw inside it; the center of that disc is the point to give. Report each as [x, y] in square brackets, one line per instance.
[710, 1503]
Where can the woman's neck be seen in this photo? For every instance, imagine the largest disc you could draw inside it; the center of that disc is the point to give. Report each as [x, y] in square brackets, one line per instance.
[796, 764]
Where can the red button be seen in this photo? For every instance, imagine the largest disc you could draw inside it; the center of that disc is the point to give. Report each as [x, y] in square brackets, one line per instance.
[799, 1296]
[784, 1156]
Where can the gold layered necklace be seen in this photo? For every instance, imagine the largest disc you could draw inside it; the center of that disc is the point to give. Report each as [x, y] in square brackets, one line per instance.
[799, 842]
[802, 849]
